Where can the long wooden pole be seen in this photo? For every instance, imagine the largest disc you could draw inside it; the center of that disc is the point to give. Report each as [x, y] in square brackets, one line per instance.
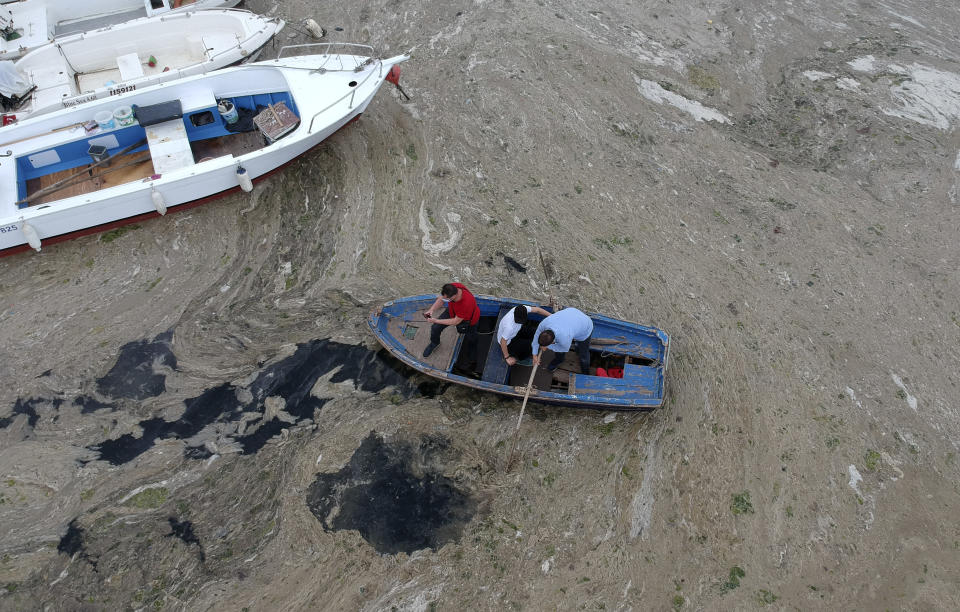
[516, 432]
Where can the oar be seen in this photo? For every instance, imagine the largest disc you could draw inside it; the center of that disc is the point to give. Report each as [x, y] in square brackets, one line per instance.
[526, 396]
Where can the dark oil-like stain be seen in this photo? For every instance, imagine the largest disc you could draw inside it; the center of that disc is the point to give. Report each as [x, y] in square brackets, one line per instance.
[29, 408]
[291, 378]
[133, 375]
[88, 404]
[184, 531]
[432, 388]
[128, 447]
[71, 543]
[390, 494]
[197, 452]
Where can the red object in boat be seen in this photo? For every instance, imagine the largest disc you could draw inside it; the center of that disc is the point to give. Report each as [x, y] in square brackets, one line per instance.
[394, 75]
[8, 119]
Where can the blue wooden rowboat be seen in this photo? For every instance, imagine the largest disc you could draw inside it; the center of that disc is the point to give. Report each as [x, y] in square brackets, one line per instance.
[641, 352]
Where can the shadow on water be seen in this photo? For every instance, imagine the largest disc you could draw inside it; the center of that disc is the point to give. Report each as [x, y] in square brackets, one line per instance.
[291, 378]
[134, 375]
[388, 493]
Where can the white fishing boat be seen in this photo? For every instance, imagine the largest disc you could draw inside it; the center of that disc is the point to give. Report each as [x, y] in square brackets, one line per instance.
[132, 55]
[28, 24]
[92, 167]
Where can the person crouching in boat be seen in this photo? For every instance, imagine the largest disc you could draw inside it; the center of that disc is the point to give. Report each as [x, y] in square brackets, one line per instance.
[461, 311]
[558, 331]
[515, 345]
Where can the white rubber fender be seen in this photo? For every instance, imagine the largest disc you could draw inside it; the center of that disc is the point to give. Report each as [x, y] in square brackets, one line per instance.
[243, 177]
[314, 28]
[158, 201]
[33, 238]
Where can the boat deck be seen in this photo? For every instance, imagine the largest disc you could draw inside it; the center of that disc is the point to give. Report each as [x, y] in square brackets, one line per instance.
[135, 167]
[95, 79]
[122, 169]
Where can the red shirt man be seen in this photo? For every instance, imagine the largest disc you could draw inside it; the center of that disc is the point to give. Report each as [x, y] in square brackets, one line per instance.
[461, 307]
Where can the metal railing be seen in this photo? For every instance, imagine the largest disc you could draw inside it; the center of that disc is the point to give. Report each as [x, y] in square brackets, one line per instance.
[336, 53]
[352, 93]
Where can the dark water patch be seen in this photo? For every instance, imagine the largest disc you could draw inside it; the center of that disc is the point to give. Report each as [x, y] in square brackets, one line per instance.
[432, 388]
[219, 403]
[88, 404]
[197, 452]
[71, 543]
[29, 408]
[391, 494]
[134, 375]
[369, 370]
[291, 378]
[183, 530]
[128, 447]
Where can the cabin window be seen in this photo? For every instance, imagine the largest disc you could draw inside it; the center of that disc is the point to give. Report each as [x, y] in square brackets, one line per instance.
[200, 119]
[352, 83]
[156, 4]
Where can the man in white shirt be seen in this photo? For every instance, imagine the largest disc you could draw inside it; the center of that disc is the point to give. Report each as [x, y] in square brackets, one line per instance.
[515, 349]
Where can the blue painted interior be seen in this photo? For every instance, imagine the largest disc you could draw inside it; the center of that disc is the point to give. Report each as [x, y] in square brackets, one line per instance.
[74, 154]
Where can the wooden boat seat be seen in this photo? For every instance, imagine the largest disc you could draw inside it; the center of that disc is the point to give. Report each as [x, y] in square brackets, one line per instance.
[637, 379]
[169, 146]
[130, 66]
[496, 370]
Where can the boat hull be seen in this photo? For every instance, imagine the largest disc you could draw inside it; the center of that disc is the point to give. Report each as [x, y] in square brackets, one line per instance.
[400, 327]
[200, 181]
[86, 67]
[89, 231]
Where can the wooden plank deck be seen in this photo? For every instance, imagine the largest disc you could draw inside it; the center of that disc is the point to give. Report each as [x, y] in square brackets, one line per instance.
[442, 357]
[236, 144]
[88, 185]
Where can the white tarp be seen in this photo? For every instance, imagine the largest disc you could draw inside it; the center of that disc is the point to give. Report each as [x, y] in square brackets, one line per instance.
[12, 82]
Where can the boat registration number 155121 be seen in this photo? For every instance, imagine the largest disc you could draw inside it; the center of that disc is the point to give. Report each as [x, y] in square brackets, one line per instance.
[7, 228]
[122, 89]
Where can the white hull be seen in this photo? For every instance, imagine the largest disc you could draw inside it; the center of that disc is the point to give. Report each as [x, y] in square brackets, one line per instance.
[325, 101]
[40, 21]
[107, 62]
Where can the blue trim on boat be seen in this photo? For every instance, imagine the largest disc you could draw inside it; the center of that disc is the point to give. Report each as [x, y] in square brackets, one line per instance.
[74, 154]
